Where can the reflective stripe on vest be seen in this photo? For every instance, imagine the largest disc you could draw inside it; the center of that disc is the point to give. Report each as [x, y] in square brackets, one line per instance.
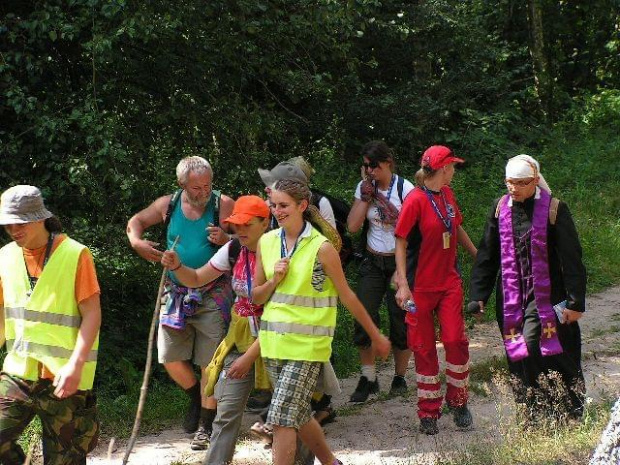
[304, 301]
[300, 317]
[21, 313]
[51, 351]
[297, 328]
[42, 325]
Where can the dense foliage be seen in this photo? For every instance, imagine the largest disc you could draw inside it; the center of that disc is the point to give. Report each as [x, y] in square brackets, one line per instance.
[100, 99]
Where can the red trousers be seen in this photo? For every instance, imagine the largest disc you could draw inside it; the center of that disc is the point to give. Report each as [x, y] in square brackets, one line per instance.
[421, 340]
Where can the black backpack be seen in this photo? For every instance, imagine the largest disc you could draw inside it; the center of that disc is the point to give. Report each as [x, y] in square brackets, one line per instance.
[341, 212]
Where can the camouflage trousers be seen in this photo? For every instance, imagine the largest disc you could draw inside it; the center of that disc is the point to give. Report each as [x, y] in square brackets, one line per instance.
[70, 425]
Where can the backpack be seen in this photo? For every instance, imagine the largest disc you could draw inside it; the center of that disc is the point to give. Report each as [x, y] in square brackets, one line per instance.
[341, 212]
[174, 200]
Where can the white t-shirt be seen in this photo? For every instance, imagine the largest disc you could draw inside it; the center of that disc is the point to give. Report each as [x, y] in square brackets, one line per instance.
[381, 236]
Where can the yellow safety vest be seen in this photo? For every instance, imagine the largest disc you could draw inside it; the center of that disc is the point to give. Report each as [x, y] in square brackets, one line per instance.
[298, 322]
[42, 327]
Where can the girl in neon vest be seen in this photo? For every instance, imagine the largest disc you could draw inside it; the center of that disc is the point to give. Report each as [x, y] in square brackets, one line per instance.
[298, 278]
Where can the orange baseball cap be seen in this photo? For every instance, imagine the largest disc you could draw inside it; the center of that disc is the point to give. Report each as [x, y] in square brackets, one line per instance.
[246, 208]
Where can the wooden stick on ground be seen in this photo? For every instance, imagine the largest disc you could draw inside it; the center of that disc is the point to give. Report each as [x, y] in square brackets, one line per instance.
[147, 367]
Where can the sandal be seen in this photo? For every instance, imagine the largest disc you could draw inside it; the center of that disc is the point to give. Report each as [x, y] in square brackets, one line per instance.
[325, 416]
[262, 432]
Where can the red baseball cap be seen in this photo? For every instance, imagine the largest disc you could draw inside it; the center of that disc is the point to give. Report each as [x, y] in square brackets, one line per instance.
[438, 156]
[246, 208]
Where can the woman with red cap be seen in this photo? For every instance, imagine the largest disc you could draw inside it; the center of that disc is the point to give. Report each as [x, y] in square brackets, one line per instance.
[236, 366]
[427, 232]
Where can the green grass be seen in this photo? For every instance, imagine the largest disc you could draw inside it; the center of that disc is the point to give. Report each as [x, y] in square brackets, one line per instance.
[165, 406]
[571, 444]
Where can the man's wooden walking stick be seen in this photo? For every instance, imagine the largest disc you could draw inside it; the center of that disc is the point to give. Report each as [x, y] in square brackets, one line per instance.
[147, 367]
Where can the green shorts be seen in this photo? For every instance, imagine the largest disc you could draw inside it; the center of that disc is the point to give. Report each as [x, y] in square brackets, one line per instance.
[203, 332]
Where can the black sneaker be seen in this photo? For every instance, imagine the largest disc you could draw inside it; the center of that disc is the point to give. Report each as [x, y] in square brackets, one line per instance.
[364, 389]
[462, 416]
[201, 438]
[429, 426]
[190, 423]
[258, 402]
[399, 386]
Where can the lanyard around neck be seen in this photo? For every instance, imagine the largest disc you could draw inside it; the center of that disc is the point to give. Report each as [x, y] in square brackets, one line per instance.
[283, 249]
[389, 192]
[48, 249]
[248, 272]
[447, 221]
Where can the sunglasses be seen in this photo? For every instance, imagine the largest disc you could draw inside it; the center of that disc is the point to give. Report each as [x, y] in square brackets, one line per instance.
[519, 183]
[372, 165]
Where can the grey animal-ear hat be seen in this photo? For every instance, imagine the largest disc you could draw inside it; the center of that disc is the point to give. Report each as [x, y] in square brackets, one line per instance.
[283, 170]
[22, 204]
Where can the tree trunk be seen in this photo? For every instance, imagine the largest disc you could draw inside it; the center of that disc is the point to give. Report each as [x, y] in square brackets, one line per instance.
[542, 67]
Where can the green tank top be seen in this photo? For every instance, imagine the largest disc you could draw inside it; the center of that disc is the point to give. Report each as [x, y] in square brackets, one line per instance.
[194, 248]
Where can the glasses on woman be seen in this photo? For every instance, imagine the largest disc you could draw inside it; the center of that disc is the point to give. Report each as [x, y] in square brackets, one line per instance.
[372, 165]
[519, 182]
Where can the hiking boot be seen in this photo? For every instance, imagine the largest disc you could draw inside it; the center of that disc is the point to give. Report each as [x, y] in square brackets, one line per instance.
[201, 438]
[462, 416]
[190, 423]
[399, 386]
[258, 402]
[429, 426]
[364, 389]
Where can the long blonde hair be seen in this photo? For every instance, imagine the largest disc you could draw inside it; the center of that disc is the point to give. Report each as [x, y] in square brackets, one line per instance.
[300, 191]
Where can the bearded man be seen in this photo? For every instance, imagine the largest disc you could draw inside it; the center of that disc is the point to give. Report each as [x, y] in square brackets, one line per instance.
[192, 321]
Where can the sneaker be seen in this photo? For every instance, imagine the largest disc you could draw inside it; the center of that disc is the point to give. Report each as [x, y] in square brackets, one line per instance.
[429, 426]
[258, 402]
[399, 386]
[190, 423]
[262, 432]
[364, 389]
[201, 439]
[462, 416]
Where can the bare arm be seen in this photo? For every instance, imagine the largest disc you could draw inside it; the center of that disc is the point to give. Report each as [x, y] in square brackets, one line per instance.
[263, 288]
[357, 215]
[187, 276]
[463, 239]
[69, 376]
[154, 214]
[403, 293]
[331, 264]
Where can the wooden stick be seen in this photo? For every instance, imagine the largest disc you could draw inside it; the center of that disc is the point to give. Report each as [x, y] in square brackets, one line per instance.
[147, 367]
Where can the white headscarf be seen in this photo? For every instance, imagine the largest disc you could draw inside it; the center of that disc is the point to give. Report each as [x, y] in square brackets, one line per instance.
[523, 166]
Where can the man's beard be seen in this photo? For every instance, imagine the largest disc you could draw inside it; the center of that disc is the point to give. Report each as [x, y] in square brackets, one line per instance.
[197, 202]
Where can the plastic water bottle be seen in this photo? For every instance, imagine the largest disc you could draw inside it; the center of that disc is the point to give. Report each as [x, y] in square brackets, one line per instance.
[410, 307]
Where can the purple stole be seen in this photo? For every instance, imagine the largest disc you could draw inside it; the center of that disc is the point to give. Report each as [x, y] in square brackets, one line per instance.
[516, 348]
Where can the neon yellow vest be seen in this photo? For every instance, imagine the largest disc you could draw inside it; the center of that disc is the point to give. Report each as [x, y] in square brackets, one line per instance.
[42, 328]
[298, 322]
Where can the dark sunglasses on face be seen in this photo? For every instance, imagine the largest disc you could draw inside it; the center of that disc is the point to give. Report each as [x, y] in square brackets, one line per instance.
[372, 165]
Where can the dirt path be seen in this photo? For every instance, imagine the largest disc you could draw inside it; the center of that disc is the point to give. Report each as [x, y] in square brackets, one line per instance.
[384, 431]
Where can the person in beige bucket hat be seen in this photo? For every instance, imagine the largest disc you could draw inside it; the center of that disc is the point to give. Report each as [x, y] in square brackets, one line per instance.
[51, 342]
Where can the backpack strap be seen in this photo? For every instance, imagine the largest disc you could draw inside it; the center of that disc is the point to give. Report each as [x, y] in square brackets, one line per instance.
[553, 210]
[315, 199]
[400, 185]
[234, 249]
[174, 199]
